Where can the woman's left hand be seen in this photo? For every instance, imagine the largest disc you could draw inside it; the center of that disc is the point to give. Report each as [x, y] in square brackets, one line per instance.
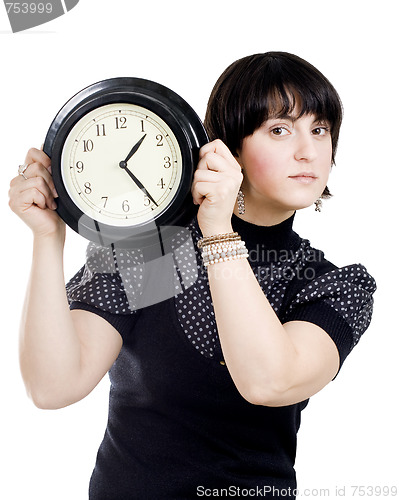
[216, 183]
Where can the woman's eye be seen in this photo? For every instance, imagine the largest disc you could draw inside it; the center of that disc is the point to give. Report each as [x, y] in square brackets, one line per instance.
[279, 131]
[320, 131]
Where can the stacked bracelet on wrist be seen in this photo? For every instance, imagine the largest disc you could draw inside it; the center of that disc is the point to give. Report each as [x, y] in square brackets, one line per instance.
[221, 248]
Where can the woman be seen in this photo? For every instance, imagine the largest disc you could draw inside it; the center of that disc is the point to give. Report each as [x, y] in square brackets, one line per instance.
[207, 387]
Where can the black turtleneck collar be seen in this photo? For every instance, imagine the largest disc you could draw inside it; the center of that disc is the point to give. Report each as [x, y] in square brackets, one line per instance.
[278, 237]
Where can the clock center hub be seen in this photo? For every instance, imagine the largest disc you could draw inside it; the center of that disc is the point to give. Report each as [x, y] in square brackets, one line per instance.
[122, 164]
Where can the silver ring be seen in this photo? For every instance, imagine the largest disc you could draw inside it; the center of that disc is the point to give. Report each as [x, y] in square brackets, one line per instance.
[21, 170]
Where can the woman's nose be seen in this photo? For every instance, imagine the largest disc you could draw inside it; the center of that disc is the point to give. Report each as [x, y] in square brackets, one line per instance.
[305, 148]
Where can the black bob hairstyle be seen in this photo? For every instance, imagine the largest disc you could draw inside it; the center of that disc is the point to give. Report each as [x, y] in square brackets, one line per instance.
[269, 85]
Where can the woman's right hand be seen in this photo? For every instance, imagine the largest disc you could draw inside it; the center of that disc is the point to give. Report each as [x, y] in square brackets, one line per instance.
[32, 199]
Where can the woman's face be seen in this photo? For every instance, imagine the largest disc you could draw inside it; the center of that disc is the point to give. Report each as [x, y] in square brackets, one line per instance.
[286, 163]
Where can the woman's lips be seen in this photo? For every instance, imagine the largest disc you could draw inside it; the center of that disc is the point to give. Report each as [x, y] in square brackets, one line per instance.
[304, 177]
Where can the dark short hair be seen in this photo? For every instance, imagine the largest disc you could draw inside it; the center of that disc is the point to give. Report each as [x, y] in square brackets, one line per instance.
[262, 86]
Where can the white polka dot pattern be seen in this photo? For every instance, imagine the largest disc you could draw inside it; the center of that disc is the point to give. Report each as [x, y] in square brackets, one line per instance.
[195, 310]
[194, 306]
[121, 281]
[118, 281]
[98, 283]
[348, 290]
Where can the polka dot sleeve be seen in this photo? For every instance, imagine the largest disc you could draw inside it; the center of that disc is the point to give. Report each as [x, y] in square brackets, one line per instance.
[340, 302]
[99, 287]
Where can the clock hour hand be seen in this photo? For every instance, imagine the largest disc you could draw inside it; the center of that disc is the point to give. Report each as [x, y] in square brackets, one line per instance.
[123, 165]
[135, 148]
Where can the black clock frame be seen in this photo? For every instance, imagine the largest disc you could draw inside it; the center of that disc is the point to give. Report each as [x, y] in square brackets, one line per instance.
[172, 109]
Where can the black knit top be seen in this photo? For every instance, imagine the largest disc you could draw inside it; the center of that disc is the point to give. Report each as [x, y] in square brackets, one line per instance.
[178, 428]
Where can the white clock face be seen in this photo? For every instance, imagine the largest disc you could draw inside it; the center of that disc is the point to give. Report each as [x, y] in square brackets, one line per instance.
[121, 164]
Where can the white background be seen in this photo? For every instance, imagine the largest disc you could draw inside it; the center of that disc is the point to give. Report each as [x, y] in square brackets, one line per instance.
[349, 430]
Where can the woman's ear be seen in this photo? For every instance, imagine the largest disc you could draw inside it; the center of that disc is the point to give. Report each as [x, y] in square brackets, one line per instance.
[238, 158]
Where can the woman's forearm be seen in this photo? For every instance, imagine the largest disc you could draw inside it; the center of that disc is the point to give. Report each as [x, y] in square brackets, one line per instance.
[257, 349]
[49, 346]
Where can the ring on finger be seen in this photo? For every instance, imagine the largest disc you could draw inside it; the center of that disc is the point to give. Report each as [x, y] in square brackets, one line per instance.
[21, 170]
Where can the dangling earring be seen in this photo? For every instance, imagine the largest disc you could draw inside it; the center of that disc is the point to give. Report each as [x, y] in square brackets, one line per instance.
[241, 202]
[318, 204]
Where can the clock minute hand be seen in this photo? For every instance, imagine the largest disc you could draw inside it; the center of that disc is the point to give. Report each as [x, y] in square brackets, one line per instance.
[135, 148]
[123, 165]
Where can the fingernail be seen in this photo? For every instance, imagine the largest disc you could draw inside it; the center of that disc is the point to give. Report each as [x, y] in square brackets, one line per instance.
[54, 205]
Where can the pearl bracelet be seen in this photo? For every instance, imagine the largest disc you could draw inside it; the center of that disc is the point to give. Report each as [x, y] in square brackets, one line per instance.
[222, 250]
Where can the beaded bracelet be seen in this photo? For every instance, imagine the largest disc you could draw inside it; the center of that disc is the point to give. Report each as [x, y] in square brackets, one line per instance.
[223, 249]
[218, 238]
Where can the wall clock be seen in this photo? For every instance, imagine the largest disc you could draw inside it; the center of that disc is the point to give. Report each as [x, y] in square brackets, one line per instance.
[123, 153]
